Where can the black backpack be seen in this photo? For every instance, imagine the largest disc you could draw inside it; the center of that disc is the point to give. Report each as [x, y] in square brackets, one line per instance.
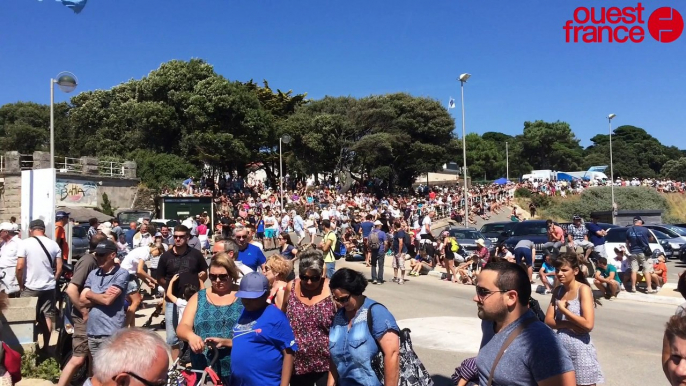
[536, 308]
[337, 247]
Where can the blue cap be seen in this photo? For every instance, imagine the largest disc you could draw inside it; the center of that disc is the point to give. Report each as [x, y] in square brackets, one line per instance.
[61, 214]
[253, 286]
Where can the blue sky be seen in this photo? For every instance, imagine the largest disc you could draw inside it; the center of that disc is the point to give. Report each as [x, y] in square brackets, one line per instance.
[522, 68]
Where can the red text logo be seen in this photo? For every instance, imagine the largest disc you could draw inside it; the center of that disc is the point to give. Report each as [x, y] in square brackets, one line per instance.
[621, 25]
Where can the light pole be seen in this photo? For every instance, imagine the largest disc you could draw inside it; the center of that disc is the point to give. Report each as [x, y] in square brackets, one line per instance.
[463, 78]
[612, 171]
[67, 82]
[507, 160]
[285, 139]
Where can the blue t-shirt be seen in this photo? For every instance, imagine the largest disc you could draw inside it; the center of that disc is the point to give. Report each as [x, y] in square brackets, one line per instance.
[259, 338]
[367, 227]
[593, 236]
[260, 226]
[129, 237]
[638, 238]
[106, 320]
[535, 355]
[396, 242]
[382, 241]
[547, 268]
[288, 253]
[252, 256]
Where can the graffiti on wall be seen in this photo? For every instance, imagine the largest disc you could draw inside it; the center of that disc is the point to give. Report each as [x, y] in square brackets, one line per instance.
[76, 193]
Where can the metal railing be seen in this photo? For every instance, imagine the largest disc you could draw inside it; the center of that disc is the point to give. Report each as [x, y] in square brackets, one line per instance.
[68, 165]
[111, 169]
[26, 161]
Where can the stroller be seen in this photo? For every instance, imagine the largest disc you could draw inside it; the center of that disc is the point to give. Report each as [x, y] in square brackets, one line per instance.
[179, 375]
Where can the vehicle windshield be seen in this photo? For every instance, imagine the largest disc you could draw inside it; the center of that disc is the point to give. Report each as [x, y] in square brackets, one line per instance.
[679, 231]
[129, 217]
[660, 235]
[530, 229]
[78, 232]
[493, 228]
[616, 235]
[466, 234]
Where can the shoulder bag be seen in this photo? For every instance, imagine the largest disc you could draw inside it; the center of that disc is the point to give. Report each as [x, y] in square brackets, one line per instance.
[510, 338]
[47, 254]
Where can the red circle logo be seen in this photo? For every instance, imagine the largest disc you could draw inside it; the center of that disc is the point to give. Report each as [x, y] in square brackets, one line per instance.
[665, 24]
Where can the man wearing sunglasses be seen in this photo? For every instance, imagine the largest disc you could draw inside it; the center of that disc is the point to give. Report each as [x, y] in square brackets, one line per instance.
[131, 357]
[502, 297]
[249, 254]
[190, 265]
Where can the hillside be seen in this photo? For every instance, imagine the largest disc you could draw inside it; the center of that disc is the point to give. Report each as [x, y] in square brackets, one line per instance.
[598, 199]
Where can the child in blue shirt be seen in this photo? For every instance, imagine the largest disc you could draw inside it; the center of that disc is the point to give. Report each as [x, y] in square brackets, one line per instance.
[263, 341]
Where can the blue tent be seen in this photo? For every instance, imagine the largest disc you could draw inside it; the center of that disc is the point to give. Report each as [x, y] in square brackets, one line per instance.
[501, 181]
[565, 177]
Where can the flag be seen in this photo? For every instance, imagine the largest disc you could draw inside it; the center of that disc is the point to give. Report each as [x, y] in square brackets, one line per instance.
[75, 5]
[451, 103]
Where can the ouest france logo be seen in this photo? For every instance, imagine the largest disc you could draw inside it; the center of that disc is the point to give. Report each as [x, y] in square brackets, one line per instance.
[623, 25]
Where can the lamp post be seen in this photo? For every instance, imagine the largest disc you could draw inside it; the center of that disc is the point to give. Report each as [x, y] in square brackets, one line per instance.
[67, 82]
[285, 139]
[507, 160]
[463, 79]
[612, 172]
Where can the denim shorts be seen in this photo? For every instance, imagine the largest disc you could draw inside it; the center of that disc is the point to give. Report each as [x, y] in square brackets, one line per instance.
[330, 269]
[171, 320]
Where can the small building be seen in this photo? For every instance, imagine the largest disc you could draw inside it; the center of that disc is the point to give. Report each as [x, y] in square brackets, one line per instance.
[626, 217]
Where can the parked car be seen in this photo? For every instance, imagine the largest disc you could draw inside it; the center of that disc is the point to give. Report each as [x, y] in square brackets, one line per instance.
[497, 232]
[79, 240]
[467, 237]
[676, 237]
[617, 236]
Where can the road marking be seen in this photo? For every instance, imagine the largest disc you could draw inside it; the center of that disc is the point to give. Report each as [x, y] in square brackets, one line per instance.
[445, 333]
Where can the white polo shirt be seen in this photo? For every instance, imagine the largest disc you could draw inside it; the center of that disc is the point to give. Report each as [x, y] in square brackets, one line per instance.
[8, 265]
[39, 274]
[130, 262]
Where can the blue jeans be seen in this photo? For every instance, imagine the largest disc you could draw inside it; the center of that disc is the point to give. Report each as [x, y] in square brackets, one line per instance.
[378, 258]
[171, 320]
[330, 269]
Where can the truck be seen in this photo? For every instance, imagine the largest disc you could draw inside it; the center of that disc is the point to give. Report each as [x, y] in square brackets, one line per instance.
[593, 173]
[180, 208]
[540, 175]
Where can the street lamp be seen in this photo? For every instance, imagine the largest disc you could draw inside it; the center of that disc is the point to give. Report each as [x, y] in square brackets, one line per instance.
[285, 139]
[612, 172]
[463, 78]
[67, 82]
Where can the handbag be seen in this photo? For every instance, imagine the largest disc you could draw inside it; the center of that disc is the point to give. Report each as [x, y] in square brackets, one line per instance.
[412, 370]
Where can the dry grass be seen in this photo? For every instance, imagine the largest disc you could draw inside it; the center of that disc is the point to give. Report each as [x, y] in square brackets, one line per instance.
[677, 205]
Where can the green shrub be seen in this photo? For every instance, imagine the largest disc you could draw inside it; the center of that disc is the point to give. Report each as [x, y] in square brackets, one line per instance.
[600, 199]
[522, 193]
[541, 201]
[33, 367]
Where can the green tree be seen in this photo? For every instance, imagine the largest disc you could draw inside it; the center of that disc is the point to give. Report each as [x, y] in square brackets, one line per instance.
[553, 146]
[157, 171]
[675, 169]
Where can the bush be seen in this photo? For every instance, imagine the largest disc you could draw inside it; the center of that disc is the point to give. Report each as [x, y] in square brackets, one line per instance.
[158, 170]
[541, 200]
[33, 367]
[600, 199]
[522, 193]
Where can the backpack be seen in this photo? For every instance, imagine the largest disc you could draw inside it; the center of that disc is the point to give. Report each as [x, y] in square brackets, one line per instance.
[11, 360]
[412, 370]
[374, 242]
[454, 246]
[337, 247]
[536, 308]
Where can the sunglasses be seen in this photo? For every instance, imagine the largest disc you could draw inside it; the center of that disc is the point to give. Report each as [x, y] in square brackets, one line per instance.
[143, 380]
[342, 299]
[222, 277]
[313, 279]
[483, 293]
[178, 237]
[241, 237]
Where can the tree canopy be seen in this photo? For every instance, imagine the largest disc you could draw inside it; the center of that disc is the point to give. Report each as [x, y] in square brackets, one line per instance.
[183, 118]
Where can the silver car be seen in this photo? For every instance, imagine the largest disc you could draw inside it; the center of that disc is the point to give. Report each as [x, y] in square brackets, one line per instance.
[467, 237]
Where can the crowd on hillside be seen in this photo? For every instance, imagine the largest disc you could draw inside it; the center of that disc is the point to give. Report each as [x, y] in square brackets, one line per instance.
[565, 188]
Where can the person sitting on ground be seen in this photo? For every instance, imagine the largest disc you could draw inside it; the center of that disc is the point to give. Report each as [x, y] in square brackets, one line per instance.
[606, 279]
[502, 253]
[420, 265]
[548, 274]
[469, 270]
[659, 274]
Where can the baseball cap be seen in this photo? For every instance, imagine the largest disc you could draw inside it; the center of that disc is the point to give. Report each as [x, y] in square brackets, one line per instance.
[105, 247]
[6, 226]
[576, 217]
[253, 286]
[37, 224]
[61, 214]
[637, 218]
[377, 222]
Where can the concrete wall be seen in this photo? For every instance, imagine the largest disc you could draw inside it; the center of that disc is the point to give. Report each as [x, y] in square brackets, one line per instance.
[121, 192]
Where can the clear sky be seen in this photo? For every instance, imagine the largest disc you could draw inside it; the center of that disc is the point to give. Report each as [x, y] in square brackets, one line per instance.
[522, 68]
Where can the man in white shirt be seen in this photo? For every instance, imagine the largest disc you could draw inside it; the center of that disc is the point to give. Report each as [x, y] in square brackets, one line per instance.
[38, 268]
[8, 259]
